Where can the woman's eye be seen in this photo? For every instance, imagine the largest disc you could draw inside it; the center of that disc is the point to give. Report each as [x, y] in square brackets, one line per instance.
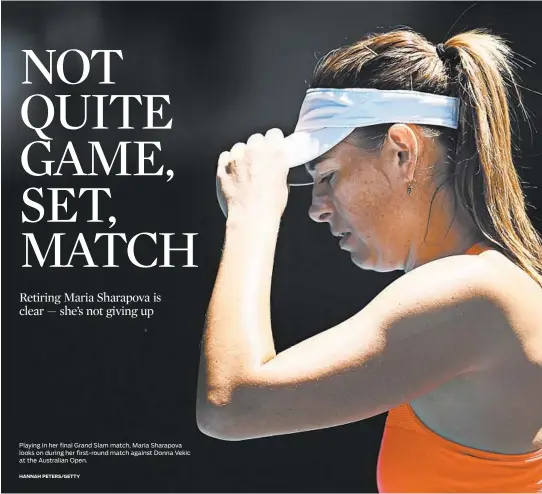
[327, 178]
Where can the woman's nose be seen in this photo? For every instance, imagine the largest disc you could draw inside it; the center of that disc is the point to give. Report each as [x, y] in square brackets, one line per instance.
[320, 210]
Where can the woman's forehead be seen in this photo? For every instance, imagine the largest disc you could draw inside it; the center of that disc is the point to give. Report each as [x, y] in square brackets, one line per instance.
[327, 158]
[341, 154]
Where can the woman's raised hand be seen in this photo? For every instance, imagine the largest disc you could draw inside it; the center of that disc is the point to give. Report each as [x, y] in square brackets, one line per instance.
[252, 177]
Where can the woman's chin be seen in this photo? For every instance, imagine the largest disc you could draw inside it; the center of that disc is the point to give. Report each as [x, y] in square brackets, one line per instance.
[362, 259]
[367, 262]
[363, 264]
[361, 255]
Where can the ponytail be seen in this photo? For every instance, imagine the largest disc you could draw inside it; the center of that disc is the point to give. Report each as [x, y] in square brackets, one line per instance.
[485, 180]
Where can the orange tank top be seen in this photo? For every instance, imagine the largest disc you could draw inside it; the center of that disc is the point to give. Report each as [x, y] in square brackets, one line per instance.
[413, 458]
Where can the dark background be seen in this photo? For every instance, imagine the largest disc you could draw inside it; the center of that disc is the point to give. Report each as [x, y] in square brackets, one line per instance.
[231, 69]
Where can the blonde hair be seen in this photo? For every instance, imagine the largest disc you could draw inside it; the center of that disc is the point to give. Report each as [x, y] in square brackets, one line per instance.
[479, 69]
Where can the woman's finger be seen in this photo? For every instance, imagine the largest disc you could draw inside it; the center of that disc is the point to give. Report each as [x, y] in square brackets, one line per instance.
[274, 133]
[255, 140]
[223, 160]
[238, 151]
[274, 137]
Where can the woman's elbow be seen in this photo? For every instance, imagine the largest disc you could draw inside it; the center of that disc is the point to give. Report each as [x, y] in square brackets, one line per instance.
[216, 418]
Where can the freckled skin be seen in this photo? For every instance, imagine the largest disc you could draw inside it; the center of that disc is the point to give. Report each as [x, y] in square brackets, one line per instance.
[365, 193]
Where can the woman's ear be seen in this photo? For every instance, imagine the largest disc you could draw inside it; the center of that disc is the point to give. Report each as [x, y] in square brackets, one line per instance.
[404, 148]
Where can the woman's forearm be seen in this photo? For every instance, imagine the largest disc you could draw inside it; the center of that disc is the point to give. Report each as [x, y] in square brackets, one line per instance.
[238, 336]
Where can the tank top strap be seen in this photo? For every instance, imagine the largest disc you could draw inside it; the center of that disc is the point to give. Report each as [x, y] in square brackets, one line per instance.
[477, 249]
[402, 416]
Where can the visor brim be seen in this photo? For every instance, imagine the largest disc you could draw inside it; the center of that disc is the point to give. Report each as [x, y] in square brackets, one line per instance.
[302, 147]
[305, 146]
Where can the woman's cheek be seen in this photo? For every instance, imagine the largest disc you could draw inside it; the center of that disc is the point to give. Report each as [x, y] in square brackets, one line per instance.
[347, 193]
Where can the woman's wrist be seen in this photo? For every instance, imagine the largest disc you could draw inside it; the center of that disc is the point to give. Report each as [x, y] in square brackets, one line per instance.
[254, 220]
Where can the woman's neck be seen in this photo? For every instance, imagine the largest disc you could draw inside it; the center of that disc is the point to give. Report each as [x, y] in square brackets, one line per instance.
[448, 235]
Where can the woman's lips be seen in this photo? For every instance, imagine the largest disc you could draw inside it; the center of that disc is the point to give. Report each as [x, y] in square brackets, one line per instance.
[344, 239]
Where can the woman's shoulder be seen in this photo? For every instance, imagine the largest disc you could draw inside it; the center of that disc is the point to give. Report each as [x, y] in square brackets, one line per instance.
[501, 295]
[483, 272]
[487, 288]
[455, 277]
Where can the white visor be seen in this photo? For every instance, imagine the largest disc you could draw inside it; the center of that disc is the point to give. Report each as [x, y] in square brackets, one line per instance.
[328, 116]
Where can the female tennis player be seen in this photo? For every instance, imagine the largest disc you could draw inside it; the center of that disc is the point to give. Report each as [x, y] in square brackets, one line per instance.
[409, 148]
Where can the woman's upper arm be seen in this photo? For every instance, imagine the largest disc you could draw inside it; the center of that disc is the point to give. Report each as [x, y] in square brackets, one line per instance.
[426, 328]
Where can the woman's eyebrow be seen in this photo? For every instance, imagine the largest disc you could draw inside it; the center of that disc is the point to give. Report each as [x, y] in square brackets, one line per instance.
[311, 165]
